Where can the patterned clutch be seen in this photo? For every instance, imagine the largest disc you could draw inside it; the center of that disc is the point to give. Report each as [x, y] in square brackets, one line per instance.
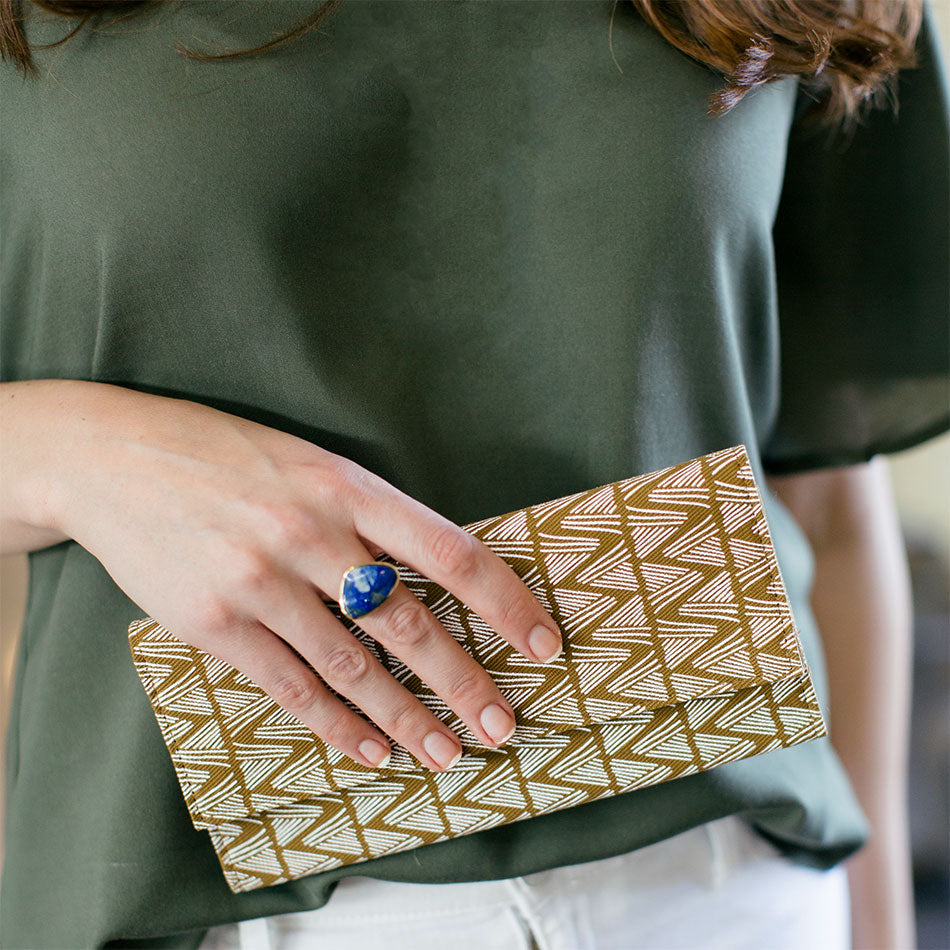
[680, 654]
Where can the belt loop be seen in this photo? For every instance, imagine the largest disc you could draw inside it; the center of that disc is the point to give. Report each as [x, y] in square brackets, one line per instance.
[717, 863]
[254, 934]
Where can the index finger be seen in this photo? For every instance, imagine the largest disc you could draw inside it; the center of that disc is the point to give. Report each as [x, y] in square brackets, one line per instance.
[458, 561]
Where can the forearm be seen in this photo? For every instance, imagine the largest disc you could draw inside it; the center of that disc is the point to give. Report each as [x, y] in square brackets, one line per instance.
[862, 602]
[36, 417]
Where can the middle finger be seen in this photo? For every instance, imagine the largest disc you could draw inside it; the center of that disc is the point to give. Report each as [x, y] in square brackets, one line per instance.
[408, 629]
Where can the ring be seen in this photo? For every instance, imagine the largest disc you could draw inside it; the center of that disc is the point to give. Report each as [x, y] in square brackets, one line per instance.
[365, 586]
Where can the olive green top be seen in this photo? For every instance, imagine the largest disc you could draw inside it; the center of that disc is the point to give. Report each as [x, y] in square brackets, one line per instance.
[466, 245]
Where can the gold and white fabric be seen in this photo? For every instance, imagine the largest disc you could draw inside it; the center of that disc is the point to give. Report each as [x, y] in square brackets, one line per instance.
[681, 654]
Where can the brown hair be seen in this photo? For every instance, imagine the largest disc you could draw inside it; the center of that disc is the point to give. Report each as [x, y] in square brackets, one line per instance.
[847, 52]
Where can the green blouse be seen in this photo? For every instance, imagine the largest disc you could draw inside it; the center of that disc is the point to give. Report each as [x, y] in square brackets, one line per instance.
[467, 245]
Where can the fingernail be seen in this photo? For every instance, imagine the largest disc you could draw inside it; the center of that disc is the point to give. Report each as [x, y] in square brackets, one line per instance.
[545, 644]
[442, 749]
[375, 753]
[497, 722]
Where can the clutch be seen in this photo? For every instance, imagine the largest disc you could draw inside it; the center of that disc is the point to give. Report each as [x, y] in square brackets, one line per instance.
[680, 654]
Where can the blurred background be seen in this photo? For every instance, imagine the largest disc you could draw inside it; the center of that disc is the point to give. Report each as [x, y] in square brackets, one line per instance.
[921, 479]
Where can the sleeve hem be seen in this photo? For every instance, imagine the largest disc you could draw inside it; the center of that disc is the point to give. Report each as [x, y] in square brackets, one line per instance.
[857, 456]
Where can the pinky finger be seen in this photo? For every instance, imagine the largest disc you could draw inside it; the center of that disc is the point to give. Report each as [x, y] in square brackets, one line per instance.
[265, 659]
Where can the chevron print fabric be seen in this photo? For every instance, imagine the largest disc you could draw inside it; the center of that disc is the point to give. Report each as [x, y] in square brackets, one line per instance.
[681, 653]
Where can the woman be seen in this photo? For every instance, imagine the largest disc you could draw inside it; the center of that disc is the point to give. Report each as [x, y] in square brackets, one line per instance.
[268, 316]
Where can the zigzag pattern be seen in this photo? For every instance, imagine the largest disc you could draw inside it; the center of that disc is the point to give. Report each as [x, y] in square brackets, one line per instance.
[681, 654]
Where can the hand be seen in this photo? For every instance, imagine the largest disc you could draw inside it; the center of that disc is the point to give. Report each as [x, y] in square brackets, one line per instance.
[232, 535]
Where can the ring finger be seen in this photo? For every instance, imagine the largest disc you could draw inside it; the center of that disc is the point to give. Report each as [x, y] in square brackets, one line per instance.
[298, 616]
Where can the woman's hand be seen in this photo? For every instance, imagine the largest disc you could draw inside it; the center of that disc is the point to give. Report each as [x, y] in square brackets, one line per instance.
[231, 534]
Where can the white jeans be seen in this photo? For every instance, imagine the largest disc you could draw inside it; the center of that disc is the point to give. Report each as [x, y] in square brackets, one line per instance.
[714, 887]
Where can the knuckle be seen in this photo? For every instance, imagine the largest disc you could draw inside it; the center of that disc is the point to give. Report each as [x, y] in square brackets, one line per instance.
[407, 623]
[247, 569]
[350, 481]
[347, 665]
[465, 684]
[338, 731]
[331, 479]
[455, 551]
[513, 614]
[294, 691]
[294, 526]
[405, 720]
[214, 615]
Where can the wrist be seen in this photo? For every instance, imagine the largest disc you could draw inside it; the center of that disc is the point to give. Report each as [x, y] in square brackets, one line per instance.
[47, 426]
[73, 484]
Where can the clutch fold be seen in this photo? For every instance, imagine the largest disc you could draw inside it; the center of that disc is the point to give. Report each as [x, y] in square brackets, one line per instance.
[680, 654]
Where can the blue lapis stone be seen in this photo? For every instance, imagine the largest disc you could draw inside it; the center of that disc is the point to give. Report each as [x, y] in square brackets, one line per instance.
[366, 587]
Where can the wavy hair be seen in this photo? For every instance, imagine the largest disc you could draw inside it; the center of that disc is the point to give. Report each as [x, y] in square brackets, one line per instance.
[847, 53]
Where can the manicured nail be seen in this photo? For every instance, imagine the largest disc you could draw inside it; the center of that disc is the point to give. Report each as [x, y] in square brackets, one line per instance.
[442, 749]
[375, 753]
[545, 644]
[497, 722]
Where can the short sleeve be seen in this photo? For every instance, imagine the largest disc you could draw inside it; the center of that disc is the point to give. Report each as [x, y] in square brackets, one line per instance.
[862, 257]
